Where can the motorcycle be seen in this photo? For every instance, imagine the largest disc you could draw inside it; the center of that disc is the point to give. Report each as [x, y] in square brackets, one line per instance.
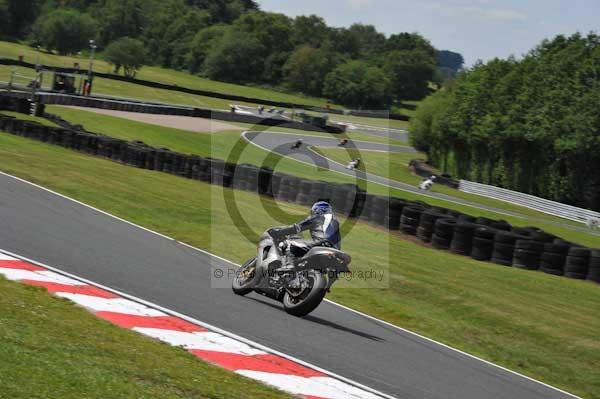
[300, 288]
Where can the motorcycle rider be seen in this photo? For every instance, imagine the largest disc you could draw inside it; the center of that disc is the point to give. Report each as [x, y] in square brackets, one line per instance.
[324, 230]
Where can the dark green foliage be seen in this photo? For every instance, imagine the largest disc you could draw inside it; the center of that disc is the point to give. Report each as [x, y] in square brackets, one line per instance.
[309, 30]
[224, 10]
[449, 63]
[307, 67]
[358, 84]
[235, 58]
[449, 59]
[202, 43]
[127, 53]
[64, 30]
[18, 16]
[409, 41]
[297, 53]
[531, 125]
[121, 18]
[410, 72]
[4, 16]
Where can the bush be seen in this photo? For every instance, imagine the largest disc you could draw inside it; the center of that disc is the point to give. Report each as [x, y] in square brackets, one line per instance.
[127, 53]
[235, 58]
[64, 30]
[203, 41]
[357, 84]
[306, 69]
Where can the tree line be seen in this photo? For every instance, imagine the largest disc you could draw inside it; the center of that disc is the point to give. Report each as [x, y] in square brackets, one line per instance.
[233, 41]
[531, 125]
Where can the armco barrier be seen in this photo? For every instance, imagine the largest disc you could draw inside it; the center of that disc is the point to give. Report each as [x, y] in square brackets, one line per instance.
[152, 108]
[529, 201]
[420, 168]
[445, 229]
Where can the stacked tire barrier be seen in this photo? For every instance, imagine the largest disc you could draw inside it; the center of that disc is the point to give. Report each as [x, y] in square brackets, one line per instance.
[479, 238]
[21, 105]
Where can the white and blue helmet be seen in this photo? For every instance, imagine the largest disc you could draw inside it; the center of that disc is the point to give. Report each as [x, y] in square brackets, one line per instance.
[321, 208]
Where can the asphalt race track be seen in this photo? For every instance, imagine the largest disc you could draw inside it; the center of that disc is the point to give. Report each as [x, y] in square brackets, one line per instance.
[281, 144]
[387, 132]
[79, 240]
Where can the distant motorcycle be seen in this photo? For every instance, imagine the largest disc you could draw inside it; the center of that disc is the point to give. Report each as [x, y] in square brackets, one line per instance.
[301, 288]
[426, 184]
[296, 145]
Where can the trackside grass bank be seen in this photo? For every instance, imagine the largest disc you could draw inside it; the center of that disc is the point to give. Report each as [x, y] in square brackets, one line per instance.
[156, 74]
[541, 325]
[395, 166]
[51, 348]
[220, 145]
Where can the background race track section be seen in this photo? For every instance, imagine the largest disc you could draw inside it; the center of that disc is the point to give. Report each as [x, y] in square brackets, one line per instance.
[208, 345]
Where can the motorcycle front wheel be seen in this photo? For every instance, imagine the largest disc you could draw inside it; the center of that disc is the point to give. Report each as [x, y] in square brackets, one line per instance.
[306, 301]
[242, 283]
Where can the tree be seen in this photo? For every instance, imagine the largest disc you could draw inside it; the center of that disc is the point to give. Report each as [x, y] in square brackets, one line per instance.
[120, 18]
[310, 30]
[409, 41]
[224, 11]
[357, 84]
[370, 42]
[65, 30]
[235, 58]
[201, 44]
[529, 125]
[410, 72]
[307, 67]
[127, 53]
[451, 60]
[341, 40]
[4, 16]
[271, 30]
[20, 15]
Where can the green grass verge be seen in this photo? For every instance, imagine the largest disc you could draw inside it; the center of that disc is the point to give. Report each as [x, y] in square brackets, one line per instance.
[221, 145]
[394, 166]
[30, 118]
[380, 122]
[132, 91]
[173, 77]
[156, 74]
[52, 348]
[541, 325]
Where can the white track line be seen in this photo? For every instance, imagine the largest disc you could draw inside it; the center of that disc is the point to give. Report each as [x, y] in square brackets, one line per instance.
[374, 182]
[173, 313]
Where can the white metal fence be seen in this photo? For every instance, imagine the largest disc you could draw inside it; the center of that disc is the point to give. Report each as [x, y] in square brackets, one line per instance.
[529, 201]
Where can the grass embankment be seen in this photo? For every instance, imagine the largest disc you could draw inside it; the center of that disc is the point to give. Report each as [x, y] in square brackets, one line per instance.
[172, 77]
[52, 348]
[132, 91]
[541, 325]
[220, 145]
[30, 118]
[394, 166]
[155, 74]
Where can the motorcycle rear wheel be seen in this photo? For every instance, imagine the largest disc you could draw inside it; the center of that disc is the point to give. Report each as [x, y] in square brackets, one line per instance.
[242, 284]
[301, 306]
